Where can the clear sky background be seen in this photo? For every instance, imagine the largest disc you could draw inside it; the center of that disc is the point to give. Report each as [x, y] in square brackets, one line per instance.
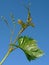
[40, 14]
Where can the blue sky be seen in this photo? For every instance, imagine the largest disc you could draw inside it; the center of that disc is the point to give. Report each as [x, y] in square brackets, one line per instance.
[40, 14]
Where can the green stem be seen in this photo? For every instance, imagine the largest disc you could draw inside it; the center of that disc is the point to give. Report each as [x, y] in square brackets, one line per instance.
[7, 54]
[11, 48]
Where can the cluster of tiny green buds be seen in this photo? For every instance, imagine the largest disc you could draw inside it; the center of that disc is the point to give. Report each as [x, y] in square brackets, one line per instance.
[24, 25]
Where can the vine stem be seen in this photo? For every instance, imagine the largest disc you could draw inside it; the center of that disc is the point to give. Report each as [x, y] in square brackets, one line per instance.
[11, 48]
[7, 54]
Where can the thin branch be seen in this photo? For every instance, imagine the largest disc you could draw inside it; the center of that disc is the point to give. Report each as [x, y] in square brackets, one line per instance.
[12, 33]
[14, 23]
[19, 33]
[6, 22]
[14, 45]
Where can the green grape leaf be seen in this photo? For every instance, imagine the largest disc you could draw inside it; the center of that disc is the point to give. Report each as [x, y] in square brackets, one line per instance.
[30, 48]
